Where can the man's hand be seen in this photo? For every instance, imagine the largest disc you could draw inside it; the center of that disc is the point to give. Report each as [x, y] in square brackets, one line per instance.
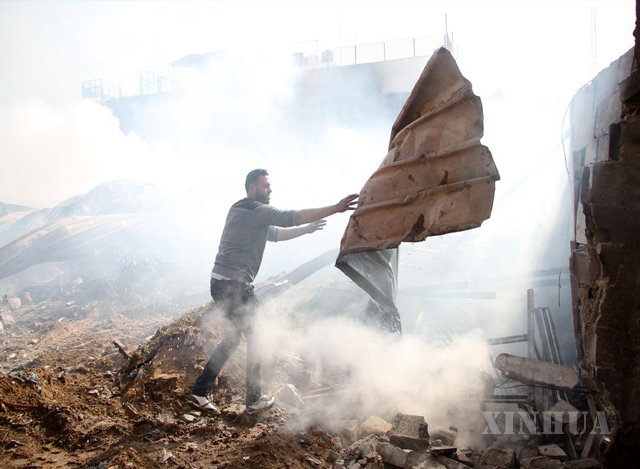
[348, 203]
[315, 226]
[310, 215]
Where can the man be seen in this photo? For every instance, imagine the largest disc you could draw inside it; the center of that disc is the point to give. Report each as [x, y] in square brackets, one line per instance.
[250, 223]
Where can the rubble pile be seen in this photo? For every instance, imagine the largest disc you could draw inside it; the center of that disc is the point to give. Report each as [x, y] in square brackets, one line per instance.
[99, 388]
[408, 444]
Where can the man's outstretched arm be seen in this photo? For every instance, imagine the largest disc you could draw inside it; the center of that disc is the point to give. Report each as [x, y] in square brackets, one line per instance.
[309, 215]
[285, 234]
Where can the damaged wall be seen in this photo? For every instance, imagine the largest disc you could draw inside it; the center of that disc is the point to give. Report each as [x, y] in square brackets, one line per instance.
[605, 257]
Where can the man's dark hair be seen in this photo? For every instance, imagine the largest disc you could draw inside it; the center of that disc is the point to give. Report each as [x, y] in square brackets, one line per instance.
[253, 177]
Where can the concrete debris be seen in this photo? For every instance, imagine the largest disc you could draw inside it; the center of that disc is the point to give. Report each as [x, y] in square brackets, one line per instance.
[526, 453]
[333, 456]
[530, 371]
[431, 463]
[500, 457]
[1, 327]
[553, 452]
[463, 456]
[365, 446]
[393, 455]
[372, 461]
[447, 437]
[189, 418]
[582, 464]
[451, 463]
[374, 425]
[410, 432]
[540, 462]
[290, 395]
[406, 458]
[346, 429]
[166, 416]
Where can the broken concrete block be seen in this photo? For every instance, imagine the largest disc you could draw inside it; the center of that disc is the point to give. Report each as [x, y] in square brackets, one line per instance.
[451, 463]
[392, 454]
[463, 456]
[374, 425]
[540, 462]
[553, 452]
[409, 431]
[290, 395]
[346, 429]
[531, 371]
[1, 327]
[361, 448]
[526, 453]
[372, 460]
[448, 437]
[428, 461]
[582, 464]
[501, 457]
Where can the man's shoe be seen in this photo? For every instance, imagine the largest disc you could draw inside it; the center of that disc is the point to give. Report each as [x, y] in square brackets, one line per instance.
[264, 403]
[202, 403]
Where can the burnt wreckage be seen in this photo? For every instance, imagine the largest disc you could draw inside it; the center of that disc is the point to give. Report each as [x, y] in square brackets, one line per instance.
[437, 178]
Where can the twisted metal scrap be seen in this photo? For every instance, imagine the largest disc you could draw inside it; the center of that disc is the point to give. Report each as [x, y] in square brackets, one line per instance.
[437, 178]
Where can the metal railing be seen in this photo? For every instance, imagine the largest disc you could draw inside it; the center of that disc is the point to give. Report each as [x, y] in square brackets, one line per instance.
[369, 53]
[154, 83]
[93, 89]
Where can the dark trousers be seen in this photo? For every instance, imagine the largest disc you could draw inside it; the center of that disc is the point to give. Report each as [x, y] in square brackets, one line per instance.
[239, 307]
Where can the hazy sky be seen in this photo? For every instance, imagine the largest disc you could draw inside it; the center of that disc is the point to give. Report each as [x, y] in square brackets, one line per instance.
[535, 54]
[48, 48]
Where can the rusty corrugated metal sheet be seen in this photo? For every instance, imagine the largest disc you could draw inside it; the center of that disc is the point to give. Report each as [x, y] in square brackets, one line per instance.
[437, 178]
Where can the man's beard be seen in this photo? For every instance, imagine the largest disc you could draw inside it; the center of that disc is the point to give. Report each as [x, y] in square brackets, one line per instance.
[263, 199]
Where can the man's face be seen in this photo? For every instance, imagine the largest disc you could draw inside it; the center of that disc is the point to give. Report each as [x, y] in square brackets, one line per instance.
[263, 190]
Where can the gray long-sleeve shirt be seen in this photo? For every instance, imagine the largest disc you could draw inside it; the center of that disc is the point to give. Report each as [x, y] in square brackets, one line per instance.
[248, 227]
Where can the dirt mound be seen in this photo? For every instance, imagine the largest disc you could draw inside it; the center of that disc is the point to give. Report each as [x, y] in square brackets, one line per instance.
[85, 404]
[161, 371]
